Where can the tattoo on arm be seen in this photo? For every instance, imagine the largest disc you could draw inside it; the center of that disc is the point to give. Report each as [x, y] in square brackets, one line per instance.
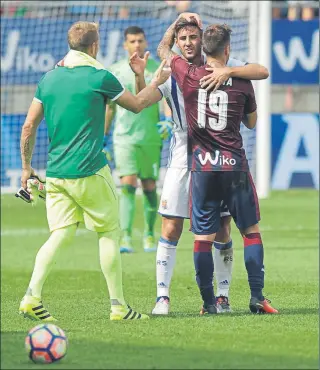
[166, 44]
[28, 138]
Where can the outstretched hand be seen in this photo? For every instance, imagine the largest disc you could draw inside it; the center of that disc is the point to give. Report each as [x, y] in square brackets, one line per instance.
[162, 73]
[137, 64]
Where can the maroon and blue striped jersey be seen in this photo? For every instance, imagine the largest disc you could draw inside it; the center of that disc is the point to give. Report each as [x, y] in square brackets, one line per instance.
[214, 118]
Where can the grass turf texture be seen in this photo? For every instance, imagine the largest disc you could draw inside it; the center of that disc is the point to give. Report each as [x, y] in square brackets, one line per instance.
[76, 294]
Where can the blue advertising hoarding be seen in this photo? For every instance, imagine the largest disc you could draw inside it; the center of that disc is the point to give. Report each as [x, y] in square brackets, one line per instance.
[31, 47]
[295, 52]
[295, 150]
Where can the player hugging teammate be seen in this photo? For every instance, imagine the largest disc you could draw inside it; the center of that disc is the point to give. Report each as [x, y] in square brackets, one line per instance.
[219, 168]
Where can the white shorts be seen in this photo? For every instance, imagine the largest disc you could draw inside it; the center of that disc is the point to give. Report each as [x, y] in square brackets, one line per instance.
[174, 201]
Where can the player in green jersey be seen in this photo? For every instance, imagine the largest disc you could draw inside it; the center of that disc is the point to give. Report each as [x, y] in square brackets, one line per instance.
[72, 98]
[137, 145]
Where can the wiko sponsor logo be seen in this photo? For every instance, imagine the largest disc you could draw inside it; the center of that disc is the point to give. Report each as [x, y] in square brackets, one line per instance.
[23, 59]
[218, 159]
[296, 53]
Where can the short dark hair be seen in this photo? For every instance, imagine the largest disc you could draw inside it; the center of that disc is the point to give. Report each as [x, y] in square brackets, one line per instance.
[215, 39]
[184, 23]
[133, 30]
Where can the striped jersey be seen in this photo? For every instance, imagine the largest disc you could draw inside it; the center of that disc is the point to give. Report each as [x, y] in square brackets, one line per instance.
[178, 152]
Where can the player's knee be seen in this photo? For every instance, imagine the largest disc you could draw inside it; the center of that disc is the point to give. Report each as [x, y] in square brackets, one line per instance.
[148, 185]
[251, 230]
[205, 238]
[64, 236]
[171, 228]
[131, 180]
[223, 235]
[113, 235]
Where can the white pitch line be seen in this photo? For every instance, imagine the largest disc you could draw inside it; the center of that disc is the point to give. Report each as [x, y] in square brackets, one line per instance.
[45, 231]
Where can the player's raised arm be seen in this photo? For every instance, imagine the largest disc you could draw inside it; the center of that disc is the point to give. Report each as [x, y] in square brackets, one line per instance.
[164, 48]
[138, 66]
[28, 138]
[144, 98]
[252, 71]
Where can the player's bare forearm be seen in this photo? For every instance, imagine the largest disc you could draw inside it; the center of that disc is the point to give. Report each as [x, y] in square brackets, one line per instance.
[155, 96]
[140, 83]
[164, 48]
[110, 113]
[136, 103]
[138, 66]
[28, 133]
[145, 96]
[250, 71]
[28, 138]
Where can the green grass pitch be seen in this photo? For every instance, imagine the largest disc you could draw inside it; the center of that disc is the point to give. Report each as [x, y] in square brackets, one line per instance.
[76, 294]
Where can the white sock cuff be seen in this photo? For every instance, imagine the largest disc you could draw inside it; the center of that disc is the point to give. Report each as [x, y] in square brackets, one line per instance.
[223, 246]
[168, 243]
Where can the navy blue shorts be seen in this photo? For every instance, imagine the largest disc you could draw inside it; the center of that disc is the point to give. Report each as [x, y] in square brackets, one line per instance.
[237, 191]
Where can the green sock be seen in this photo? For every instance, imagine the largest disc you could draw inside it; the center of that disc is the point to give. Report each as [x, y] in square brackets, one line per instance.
[150, 201]
[127, 208]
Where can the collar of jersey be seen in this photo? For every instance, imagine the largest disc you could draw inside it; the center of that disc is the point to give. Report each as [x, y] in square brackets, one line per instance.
[76, 58]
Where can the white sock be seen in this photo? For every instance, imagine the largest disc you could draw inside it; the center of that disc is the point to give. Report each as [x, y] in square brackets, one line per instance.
[46, 257]
[110, 262]
[223, 263]
[166, 260]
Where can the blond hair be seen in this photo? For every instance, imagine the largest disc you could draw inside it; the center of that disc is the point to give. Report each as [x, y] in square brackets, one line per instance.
[82, 35]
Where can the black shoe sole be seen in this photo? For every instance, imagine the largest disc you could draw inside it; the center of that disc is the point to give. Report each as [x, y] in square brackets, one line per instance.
[256, 308]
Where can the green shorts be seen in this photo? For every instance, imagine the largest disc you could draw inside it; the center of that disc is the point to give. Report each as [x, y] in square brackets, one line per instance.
[143, 161]
[91, 200]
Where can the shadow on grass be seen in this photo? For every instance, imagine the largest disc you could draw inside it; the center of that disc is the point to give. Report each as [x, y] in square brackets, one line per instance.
[177, 315]
[93, 354]
[300, 311]
[284, 311]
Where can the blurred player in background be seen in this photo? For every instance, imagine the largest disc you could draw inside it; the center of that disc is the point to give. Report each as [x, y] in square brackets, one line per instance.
[219, 168]
[137, 146]
[80, 188]
[174, 205]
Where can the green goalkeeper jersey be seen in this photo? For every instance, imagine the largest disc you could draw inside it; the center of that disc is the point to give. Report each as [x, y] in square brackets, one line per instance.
[131, 128]
[74, 103]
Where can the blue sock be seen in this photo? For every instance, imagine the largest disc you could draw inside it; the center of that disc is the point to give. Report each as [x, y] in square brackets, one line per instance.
[253, 258]
[203, 264]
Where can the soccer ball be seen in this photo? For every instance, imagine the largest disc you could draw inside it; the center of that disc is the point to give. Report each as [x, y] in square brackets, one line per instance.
[46, 343]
